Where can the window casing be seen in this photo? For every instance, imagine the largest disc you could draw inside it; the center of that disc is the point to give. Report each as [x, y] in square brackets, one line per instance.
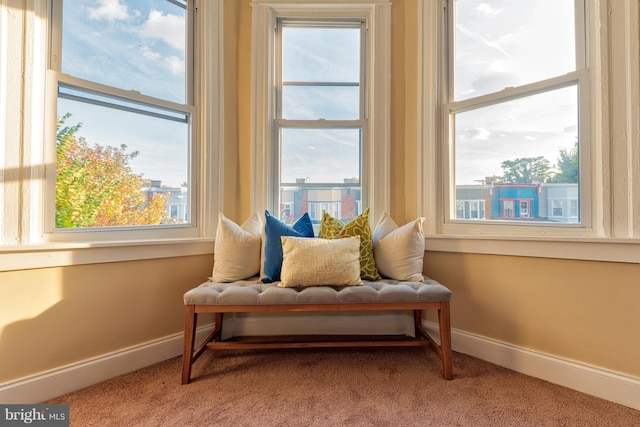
[362, 126]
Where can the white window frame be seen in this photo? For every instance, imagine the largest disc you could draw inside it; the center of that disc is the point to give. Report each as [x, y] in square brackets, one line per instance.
[613, 229]
[578, 78]
[376, 129]
[24, 243]
[56, 77]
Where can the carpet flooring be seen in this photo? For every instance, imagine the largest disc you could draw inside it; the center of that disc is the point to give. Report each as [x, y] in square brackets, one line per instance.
[336, 387]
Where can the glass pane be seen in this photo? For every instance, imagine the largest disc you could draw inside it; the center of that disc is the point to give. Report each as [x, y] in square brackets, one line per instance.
[519, 153]
[503, 43]
[324, 102]
[320, 156]
[127, 44]
[320, 54]
[132, 173]
[339, 202]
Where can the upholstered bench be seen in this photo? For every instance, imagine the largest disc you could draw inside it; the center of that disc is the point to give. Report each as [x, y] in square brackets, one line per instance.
[249, 296]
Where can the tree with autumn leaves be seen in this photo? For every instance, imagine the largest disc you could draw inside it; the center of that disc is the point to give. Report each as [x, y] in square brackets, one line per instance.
[96, 187]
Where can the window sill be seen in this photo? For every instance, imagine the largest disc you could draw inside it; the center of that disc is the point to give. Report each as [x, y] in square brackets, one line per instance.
[590, 249]
[60, 254]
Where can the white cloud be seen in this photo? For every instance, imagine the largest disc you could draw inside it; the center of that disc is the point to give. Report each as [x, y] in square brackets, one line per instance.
[150, 54]
[480, 134]
[486, 9]
[479, 37]
[175, 65]
[168, 28]
[109, 10]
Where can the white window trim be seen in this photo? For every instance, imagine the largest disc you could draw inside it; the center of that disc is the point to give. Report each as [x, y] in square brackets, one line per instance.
[22, 198]
[377, 13]
[614, 234]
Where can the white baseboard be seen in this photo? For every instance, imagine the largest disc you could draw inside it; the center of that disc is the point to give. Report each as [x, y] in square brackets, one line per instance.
[59, 381]
[599, 382]
[592, 380]
[65, 379]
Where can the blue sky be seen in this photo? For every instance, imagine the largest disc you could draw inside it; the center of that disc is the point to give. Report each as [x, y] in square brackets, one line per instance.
[502, 43]
[321, 55]
[139, 44]
[133, 45]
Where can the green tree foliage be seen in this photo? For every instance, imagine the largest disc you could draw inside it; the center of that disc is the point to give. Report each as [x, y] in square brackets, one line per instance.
[96, 187]
[568, 166]
[525, 170]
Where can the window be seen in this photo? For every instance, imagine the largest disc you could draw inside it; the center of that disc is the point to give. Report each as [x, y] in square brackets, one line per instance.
[470, 209]
[524, 208]
[319, 117]
[597, 90]
[316, 208]
[287, 210]
[125, 114]
[515, 108]
[507, 209]
[62, 58]
[573, 207]
[317, 136]
[557, 208]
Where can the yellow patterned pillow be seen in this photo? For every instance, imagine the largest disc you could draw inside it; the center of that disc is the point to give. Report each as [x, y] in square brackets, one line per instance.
[320, 262]
[332, 228]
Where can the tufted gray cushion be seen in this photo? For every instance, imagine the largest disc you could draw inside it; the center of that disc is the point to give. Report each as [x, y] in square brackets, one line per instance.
[251, 292]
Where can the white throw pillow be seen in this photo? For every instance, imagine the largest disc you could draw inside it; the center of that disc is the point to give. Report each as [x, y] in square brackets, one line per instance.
[237, 249]
[399, 251]
[319, 262]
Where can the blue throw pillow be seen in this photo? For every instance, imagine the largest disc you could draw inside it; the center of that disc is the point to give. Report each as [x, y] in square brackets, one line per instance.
[274, 229]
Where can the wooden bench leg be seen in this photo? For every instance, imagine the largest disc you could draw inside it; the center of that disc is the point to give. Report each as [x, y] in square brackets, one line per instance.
[444, 318]
[218, 327]
[190, 320]
[417, 321]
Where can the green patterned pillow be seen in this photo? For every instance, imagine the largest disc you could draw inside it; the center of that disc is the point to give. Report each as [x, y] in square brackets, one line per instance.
[332, 228]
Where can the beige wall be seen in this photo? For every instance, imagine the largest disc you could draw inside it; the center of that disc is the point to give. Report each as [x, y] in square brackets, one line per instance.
[57, 316]
[586, 311]
[578, 310]
[237, 148]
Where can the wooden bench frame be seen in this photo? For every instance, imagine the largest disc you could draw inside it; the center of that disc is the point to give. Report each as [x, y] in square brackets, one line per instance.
[214, 341]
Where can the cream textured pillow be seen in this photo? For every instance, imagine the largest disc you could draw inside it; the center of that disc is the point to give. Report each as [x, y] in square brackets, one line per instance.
[319, 262]
[237, 249]
[399, 251]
